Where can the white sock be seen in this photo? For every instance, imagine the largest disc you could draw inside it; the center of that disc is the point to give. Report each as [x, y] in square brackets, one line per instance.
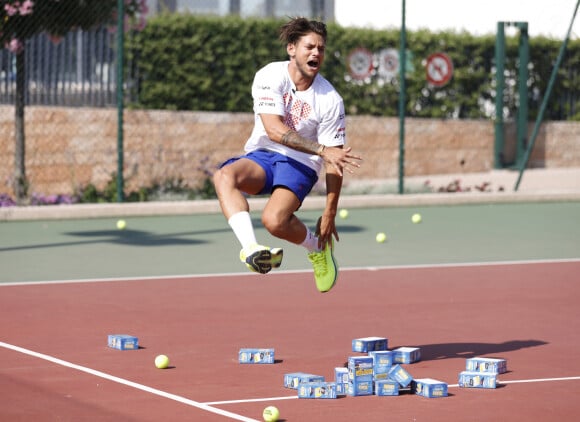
[241, 224]
[311, 241]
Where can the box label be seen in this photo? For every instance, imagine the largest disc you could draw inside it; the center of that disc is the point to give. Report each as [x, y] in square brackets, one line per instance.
[123, 342]
[294, 379]
[317, 390]
[259, 356]
[398, 373]
[406, 355]
[368, 344]
[360, 367]
[498, 366]
[386, 388]
[469, 379]
[360, 387]
[429, 388]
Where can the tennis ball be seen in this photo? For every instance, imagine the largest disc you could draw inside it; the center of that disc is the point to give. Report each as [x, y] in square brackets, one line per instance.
[343, 213]
[416, 218]
[381, 237]
[162, 362]
[121, 224]
[271, 414]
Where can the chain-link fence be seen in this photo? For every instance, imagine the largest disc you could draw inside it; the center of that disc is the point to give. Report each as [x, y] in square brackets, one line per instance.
[59, 104]
[60, 58]
[59, 99]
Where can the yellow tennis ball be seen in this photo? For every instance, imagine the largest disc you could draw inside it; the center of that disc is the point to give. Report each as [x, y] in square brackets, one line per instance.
[162, 362]
[121, 224]
[343, 213]
[271, 414]
[381, 237]
[416, 218]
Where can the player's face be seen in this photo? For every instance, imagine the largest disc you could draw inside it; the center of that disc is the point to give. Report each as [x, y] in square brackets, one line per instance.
[308, 54]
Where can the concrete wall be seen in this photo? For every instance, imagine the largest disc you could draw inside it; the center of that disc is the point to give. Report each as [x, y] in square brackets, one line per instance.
[71, 147]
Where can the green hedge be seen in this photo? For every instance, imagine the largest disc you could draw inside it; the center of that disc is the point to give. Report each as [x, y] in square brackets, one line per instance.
[186, 62]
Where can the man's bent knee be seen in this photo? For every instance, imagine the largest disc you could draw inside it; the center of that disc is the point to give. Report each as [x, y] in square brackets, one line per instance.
[275, 224]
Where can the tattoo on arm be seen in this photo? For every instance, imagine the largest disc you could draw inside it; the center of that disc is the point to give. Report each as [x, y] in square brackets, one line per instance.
[293, 140]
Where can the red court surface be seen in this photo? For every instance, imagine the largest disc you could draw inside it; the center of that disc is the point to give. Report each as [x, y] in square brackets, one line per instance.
[57, 366]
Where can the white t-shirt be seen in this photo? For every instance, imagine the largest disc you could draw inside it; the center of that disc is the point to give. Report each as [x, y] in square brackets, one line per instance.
[316, 114]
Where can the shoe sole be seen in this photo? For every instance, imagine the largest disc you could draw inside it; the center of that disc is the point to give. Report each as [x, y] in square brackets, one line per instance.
[260, 261]
[277, 255]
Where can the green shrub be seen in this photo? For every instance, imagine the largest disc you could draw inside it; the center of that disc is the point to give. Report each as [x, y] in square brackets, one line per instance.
[187, 62]
[171, 189]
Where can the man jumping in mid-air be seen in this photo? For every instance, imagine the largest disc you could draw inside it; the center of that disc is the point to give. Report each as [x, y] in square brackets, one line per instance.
[299, 126]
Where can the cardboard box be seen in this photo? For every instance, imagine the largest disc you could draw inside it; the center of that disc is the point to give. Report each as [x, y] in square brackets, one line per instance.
[386, 388]
[123, 342]
[470, 379]
[294, 379]
[341, 379]
[341, 375]
[499, 366]
[429, 388]
[399, 374]
[369, 344]
[360, 368]
[259, 356]
[382, 363]
[358, 387]
[406, 355]
[317, 390]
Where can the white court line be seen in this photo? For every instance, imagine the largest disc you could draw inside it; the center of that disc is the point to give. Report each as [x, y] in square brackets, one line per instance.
[448, 386]
[250, 274]
[251, 400]
[540, 380]
[499, 382]
[202, 406]
[207, 406]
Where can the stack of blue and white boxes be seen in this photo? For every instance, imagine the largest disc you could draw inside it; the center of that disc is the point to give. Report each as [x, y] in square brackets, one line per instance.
[377, 371]
[482, 372]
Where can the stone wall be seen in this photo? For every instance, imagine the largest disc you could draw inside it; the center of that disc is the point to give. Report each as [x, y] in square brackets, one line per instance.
[71, 147]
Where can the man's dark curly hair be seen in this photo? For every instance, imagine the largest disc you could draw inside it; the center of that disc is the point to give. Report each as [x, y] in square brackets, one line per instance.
[296, 28]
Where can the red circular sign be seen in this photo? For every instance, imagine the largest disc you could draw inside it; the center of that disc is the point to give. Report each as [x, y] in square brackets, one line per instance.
[439, 69]
[360, 63]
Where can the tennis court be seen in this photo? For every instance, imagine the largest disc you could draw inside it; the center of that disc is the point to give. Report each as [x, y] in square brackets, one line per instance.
[494, 280]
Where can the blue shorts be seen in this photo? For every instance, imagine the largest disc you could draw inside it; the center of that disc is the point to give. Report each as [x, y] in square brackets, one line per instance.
[282, 171]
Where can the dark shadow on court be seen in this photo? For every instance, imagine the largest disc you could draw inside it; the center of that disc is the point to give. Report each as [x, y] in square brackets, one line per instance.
[137, 237]
[311, 223]
[341, 226]
[471, 350]
[125, 237]
[348, 229]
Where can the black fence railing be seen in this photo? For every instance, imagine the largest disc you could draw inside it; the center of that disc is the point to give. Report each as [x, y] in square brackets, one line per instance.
[77, 70]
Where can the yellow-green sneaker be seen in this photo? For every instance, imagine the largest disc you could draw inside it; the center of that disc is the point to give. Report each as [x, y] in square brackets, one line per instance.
[261, 259]
[325, 267]
[277, 255]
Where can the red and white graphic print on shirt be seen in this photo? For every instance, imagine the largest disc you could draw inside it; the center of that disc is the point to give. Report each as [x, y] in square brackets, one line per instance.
[296, 111]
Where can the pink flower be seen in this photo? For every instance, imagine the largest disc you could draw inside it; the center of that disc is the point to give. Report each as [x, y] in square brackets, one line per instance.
[26, 8]
[10, 9]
